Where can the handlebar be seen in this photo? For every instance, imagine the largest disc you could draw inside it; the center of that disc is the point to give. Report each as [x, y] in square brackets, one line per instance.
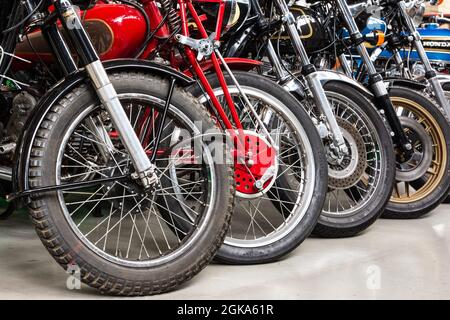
[439, 19]
[394, 2]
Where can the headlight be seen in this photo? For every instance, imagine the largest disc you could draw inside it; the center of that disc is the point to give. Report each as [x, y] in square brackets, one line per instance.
[234, 15]
[231, 13]
[416, 10]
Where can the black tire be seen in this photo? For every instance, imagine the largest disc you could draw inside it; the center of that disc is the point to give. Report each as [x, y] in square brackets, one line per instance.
[447, 200]
[241, 255]
[422, 204]
[447, 93]
[353, 223]
[60, 238]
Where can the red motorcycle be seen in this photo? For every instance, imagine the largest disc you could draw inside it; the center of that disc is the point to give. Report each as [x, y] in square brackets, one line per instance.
[97, 180]
[280, 173]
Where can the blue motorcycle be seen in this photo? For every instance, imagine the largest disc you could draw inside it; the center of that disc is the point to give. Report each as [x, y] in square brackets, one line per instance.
[410, 56]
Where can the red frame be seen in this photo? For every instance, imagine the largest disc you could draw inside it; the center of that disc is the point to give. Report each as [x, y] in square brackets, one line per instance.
[186, 4]
[186, 7]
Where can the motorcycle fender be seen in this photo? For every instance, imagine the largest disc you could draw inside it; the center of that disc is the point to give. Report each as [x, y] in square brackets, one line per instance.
[62, 88]
[241, 64]
[333, 76]
[408, 83]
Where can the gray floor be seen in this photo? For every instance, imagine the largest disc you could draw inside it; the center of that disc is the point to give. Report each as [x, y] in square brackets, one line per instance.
[393, 260]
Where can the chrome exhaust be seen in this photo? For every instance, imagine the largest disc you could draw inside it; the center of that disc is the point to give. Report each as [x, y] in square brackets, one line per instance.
[5, 173]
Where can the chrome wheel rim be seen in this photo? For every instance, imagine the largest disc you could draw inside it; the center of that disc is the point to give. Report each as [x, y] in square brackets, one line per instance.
[346, 201]
[266, 219]
[146, 233]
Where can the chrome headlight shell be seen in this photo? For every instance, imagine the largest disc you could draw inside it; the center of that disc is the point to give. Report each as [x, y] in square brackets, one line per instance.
[416, 10]
[236, 12]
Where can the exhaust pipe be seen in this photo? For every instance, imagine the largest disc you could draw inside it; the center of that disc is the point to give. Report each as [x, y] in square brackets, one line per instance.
[5, 173]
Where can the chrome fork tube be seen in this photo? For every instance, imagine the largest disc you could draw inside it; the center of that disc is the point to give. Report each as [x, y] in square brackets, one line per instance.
[345, 65]
[324, 106]
[105, 91]
[375, 80]
[356, 36]
[109, 98]
[379, 89]
[314, 84]
[276, 63]
[430, 73]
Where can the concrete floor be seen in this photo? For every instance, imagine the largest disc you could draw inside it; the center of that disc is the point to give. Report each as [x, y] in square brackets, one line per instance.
[392, 260]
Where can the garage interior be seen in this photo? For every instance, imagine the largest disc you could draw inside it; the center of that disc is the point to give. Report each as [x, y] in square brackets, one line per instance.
[393, 259]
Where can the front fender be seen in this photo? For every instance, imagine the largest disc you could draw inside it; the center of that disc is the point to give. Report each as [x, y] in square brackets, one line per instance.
[326, 76]
[62, 88]
[403, 82]
[241, 64]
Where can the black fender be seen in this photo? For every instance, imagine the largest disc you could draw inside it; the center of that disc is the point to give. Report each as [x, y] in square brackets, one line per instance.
[407, 83]
[58, 91]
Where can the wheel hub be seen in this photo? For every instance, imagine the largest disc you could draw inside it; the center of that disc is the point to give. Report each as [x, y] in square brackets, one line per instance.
[422, 155]
[256, 174]
[346, 171]
[133, 187]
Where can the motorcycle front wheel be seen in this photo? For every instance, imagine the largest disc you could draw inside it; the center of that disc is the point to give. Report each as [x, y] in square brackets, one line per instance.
[359, 183]
[115, 233]
[422, 182]
[447, 94]
[268, 224]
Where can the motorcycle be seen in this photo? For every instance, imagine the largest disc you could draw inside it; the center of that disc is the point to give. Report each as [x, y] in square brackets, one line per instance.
[418, 127]
[400, 57]
[435, 37]
[357, 192]
[95, 179]
[280, 177]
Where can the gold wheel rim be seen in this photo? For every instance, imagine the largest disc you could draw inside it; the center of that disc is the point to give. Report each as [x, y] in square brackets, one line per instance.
[437, 170]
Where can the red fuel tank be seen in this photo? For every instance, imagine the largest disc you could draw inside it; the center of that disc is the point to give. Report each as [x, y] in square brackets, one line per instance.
[117, 31]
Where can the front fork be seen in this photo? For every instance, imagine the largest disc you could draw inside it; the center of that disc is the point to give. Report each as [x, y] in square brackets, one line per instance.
[106, 92]
[376, 82]
[430, 73]
[308, 69]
